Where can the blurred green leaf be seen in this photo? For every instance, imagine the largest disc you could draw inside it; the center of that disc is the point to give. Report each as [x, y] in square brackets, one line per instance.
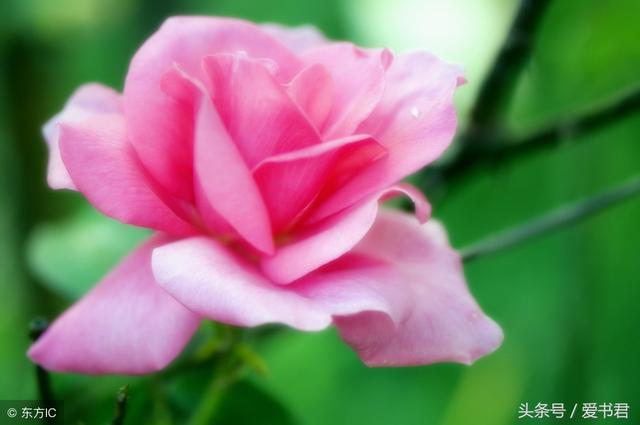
[324, 382]
[72, 255]
[488, 392]
[247, 404]
[242, 402]
[14, 283]
[586, 53]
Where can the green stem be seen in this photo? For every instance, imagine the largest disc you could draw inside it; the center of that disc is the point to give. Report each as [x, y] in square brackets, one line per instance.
[561, 217]
[121, 405]
[497, 88]
[494, 94]
[36, 328]
[224, 351]
[505, 149]
[225, 374]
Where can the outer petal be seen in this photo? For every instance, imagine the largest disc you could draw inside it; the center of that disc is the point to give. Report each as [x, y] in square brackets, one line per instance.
[358, 81]
[298, 39]
[261, 118]
[104, 167]
[412, 308]
[291, 181]
[333, 237]
[211, 280]
[89, 99]
[160, 127]
[416, 114]
[415, 120]
[127, 324]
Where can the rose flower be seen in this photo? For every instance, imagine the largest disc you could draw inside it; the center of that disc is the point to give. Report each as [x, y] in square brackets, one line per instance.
[259, 155]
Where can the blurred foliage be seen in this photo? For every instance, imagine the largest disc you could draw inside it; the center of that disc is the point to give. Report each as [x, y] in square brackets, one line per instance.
[71, 255]
[567, 302]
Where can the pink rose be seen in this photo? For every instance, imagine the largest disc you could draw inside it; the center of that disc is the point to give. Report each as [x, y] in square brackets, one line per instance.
[260, 156]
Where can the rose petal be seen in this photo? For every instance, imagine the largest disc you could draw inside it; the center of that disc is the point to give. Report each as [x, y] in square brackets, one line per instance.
[415, 120]
[104, 167]
[160, 127]
[333, 237]
[358, 80]
[227, 182]
[87, 100]
[290, 181]
[127, 324]
[411, 306]
[312, 91]
[261, 118]
[211, 280]
[416, 114]
[298, 39]
[227, 198]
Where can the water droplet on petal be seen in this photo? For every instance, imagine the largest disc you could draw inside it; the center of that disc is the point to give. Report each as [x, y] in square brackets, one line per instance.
[415, 112]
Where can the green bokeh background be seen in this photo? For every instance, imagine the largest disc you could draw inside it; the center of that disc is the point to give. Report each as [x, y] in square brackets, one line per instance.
[567, 302]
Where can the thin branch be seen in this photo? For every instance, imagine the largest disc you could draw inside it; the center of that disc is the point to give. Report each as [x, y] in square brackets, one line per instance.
[225, 374]
[556, 219]
[121, 405]
[497, 87]
[507, 148]
[36, 328]
[495, 92]
[221, 344]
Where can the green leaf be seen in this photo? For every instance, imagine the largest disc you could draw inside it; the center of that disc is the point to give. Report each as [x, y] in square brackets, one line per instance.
[323, 382]
[70, 256]
[247, 404]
